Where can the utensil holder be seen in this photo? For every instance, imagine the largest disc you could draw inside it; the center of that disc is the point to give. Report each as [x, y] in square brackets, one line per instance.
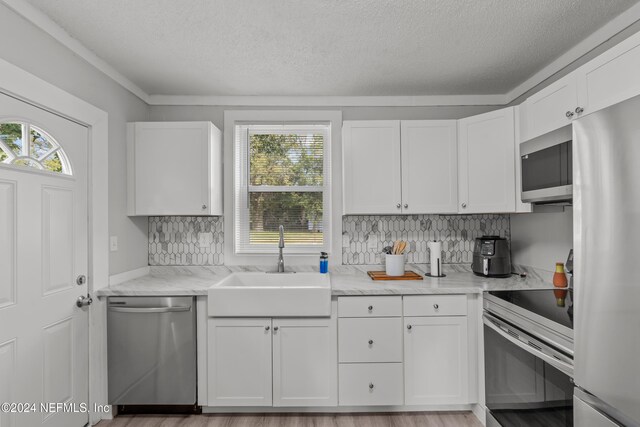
[394, 265]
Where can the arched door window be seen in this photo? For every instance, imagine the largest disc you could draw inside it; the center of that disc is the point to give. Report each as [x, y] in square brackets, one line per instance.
[24, 144]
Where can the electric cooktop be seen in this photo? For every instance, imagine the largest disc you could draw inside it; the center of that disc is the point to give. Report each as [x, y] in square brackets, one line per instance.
[553, 304]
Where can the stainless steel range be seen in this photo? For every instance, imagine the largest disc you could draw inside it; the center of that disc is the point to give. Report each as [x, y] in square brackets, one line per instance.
[528, 336]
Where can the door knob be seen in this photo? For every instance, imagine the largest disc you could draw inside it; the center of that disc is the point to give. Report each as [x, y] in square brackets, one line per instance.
[204, 207]
[275, 328]
[83, 301]
[569, 114]
[266, 328]
[81, 280]
[579, 110]
[370, 308]
[436, 306]
[406, 205]
[370, 342]
[464, 205]
[409, 327]
[398, 205]
[371, 386]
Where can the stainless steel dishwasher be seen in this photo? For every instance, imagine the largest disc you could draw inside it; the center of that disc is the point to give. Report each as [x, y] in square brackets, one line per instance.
[151, 350]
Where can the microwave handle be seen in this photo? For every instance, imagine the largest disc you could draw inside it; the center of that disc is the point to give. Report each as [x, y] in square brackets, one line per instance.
[558, 364]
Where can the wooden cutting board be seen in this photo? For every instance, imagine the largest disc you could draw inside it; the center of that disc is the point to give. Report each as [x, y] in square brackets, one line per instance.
[382, 275]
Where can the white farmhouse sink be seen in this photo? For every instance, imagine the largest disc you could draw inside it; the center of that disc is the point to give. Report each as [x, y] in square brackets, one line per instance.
[271, 295]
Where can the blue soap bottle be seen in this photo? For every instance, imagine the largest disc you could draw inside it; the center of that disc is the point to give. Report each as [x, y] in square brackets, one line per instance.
[324, 262]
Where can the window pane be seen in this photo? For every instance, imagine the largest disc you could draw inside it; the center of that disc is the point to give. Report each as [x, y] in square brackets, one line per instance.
[53, 163]
[299, 212]
[11, 135]
[3, 156]
[27, 162]
[39, 144]
[286, 159]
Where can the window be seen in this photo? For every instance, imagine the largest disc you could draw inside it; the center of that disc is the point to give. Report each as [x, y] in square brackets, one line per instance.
[282, 178]
[23, 144]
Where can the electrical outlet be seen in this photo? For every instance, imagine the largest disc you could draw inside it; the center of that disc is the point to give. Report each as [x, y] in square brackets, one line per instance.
[113, 243]
[205, 240]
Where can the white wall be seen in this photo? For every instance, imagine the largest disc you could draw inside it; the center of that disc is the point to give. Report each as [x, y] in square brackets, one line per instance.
[541, 239]
[31, 49]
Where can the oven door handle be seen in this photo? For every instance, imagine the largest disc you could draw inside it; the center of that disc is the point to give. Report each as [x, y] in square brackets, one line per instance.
[558, 364]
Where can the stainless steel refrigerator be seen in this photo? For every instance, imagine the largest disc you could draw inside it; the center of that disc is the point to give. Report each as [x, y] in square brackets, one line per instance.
[606, 215]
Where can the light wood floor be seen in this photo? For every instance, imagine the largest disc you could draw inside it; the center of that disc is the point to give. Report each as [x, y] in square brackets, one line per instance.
[420, 419]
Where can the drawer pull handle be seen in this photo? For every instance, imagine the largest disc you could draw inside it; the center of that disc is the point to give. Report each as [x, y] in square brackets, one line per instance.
[409, 327]
[266, 328]
[436, 306]
[370, 308]
[370, 342]
[371, 386]
[275, 328]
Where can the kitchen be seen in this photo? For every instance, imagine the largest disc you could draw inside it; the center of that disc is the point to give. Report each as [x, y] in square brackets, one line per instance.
[163, 200]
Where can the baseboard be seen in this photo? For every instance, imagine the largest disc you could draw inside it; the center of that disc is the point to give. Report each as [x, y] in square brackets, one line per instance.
[119, 278]
[334, 409]
[480, 412]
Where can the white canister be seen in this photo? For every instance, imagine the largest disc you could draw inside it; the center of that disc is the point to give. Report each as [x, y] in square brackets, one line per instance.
[394, 265]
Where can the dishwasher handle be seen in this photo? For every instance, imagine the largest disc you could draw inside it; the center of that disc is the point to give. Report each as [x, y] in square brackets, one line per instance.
[150, 309]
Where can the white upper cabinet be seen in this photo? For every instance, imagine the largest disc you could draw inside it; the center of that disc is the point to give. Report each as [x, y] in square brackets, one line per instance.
[429, 154]
[371, 167]
[174, 168]
[551, 108]
[611, 77]
[486, 153]
[393, 167]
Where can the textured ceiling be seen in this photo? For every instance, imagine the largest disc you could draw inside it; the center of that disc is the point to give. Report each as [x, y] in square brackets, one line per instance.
[329, 47]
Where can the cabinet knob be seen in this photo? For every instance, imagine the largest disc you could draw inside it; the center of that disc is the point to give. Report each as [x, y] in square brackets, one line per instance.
[370, 342]
[204, 207]
[436, 306]
[569, 114]
[579, 110]
[370, 308]
[266, 328]
[371, 386]
[275, 328]
[409, 327]
[464, 205]
[406, 205]
[398, 206]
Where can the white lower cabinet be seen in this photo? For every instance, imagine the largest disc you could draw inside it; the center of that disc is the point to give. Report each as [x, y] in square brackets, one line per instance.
[305, 362]
[272, 362]
[363, 384]
[239, 362]
[436, 360]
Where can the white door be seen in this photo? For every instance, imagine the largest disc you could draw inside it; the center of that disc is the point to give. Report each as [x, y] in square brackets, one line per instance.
[429, 166]
[436, 365]
[551, 108]
[239, 362]
[486, 163]
[305, 362]
[371, 167]
[43, 249]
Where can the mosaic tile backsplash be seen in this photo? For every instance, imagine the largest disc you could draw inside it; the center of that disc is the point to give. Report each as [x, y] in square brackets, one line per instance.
[363, 237]
[186, 240]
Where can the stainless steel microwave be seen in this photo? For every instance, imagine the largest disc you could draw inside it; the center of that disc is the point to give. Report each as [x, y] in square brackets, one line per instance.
[546, 168]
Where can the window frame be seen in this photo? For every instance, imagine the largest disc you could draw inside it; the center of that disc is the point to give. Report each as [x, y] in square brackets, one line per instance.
[242, 188]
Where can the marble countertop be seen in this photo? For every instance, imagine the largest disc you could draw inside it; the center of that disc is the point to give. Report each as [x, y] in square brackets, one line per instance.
[345, 280]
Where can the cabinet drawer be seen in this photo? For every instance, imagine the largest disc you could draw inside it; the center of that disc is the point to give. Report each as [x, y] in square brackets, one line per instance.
[370, 384]
[370, 340]
[435, 305]
[370, 306]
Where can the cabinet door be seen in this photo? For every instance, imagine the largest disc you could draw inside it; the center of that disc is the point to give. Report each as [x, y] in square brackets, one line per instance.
[611, 77]
[547, 110]
[436, 366]
[371, 167]
[239, 362]
[169, 168]
[429, 154]
[486, 162]
[305, 362]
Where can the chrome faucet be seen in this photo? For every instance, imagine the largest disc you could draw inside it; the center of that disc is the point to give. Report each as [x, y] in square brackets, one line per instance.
[280, 247]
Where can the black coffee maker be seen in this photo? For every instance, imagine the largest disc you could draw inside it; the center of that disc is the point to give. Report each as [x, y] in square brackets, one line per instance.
[491, 257]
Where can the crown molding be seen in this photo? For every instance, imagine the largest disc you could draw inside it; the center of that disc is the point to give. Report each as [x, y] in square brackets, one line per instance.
[46, 24]
[600, 36]
[330, 101]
